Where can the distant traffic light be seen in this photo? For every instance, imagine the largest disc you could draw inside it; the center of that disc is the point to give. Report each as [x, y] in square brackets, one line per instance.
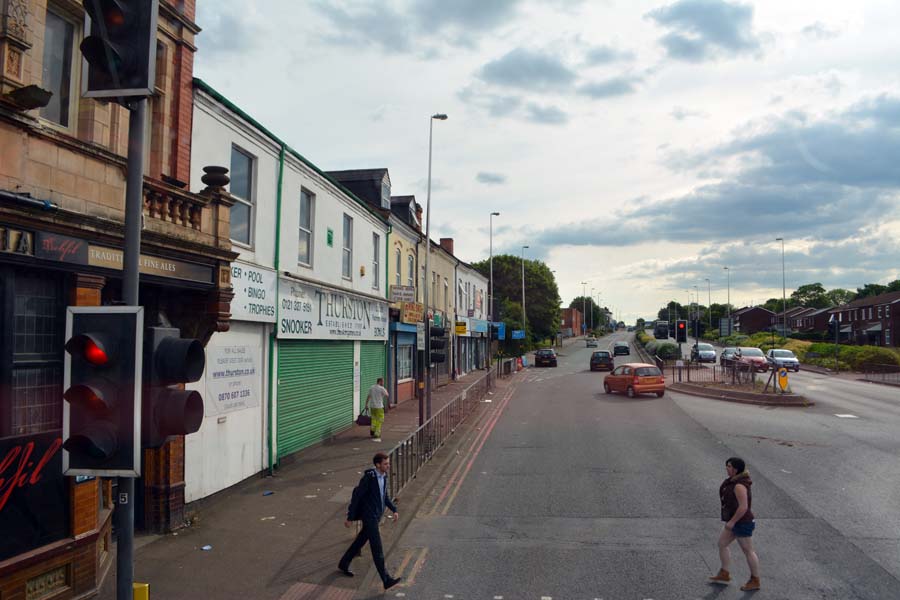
[438, 343]
[680, 331]
[170, 361]
[102, 380]
[120, 49]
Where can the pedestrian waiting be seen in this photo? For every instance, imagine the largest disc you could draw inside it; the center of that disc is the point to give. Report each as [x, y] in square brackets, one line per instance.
[737, 500]
[370, 497]
[375, 403]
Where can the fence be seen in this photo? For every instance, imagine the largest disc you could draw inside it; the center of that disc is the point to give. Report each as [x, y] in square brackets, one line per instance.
[882, 374]
[737, 375]
[409, 455]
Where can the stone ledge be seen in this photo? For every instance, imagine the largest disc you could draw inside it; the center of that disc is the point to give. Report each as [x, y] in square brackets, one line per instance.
[742, 397]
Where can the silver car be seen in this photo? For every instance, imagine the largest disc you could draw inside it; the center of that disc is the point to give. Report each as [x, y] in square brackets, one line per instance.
[778, 358]
[703, 353]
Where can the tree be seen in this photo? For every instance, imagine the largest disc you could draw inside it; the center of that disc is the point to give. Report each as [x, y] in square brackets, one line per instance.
[593, 310]
[639, 324]
[870, 289]
[541, 293]
[811, 295]
[672, 311]
[840, 296]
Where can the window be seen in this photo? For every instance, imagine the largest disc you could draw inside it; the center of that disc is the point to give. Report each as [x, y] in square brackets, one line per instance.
[398, 263]
[304, 250]
[404, 363]
[57, 65]
[879, 312]
[347, 263]
[460, 291]
[434, 280]
[446, 297]
[411, 269]
[870, 312]
[242, 189]
[376, 254]
[385, 193]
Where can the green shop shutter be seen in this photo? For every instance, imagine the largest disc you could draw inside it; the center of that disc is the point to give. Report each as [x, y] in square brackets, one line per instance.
[315, 392]
[371, 367]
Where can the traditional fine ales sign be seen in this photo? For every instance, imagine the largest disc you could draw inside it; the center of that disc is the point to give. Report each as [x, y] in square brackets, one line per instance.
[34, 502]
[412, 313]
[16, 241]
[254, 293]
[311, 312]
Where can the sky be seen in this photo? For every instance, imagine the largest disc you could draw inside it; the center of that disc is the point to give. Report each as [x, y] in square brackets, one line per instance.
[638, 146]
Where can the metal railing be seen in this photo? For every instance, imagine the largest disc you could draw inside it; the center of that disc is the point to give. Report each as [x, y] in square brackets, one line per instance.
[737, 375]
[882, 374]
[412, 453]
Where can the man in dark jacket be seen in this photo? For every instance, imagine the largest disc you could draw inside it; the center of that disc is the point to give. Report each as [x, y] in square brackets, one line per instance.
[369, 500]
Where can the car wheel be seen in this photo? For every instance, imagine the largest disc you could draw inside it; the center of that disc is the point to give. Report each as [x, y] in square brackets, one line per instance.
[630, 392]
[796, 369]
[660, 394]
[606, 388]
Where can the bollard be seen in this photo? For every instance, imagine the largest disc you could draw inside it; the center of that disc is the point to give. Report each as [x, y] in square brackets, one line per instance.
[141, 591]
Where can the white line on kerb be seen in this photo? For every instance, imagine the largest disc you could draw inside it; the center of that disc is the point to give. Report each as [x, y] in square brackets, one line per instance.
[846, 416]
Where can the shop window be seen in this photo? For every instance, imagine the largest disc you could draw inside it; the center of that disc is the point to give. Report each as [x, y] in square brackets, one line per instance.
[404, 363]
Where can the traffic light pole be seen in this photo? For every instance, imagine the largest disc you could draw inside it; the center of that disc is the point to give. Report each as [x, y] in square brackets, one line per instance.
[134, 185]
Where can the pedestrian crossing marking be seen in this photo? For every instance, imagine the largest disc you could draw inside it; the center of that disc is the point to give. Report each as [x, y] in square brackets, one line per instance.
[846, 416]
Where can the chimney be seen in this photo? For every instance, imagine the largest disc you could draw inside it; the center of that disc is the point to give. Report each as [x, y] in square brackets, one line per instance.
[447, 244]
[419, 217]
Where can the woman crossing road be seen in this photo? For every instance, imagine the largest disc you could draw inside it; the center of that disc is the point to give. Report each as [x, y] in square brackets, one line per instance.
[734, 493]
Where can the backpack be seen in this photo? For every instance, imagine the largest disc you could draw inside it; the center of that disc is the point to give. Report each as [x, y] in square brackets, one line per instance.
[355, 497]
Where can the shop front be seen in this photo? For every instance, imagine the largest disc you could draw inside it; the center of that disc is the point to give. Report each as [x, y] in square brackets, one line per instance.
[480, 340]
[331, 349]
[404, 351]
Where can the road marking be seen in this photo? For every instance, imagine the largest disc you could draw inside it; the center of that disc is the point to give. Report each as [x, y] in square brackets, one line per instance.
[407, 556]
[846, 416]
[416, 568]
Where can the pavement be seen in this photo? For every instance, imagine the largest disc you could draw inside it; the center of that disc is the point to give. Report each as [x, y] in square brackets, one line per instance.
[280, 536]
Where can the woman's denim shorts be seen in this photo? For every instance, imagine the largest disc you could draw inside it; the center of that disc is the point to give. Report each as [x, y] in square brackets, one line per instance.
[744, 529]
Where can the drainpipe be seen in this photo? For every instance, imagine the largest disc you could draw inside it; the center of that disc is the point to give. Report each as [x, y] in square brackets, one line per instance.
[272, 336]
[391, 384]
[28, 201]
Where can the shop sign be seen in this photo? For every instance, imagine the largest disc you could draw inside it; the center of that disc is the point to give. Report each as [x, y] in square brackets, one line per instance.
[34, 507]
[462, 328]
[403, 293]
[61, 248]
[412, 312]
[112, 258]
[420, 336]
[479, 300]
[254, 293]
[16, 241]
[479, 325]
[311, 312]
[232, 376]
[518, 334]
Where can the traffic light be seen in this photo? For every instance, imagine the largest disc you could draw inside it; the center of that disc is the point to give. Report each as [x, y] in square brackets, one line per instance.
[833, 328]
[120, 49]
[680, 331]
[102, 380]
[438, 340]
[170, 361]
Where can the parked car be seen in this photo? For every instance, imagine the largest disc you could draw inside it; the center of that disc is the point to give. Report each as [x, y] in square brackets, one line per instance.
[753, 357]
[621, 348]
[591, 342]
[726, 358]
[601, 360]
[703, 353]
[545, 357]
[635, 378]
[778, 357]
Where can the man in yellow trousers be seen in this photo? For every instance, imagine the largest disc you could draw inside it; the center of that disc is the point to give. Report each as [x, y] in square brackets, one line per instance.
[375, 403]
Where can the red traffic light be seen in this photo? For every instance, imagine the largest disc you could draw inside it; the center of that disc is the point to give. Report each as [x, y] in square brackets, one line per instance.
[681, 326]
[89, 347]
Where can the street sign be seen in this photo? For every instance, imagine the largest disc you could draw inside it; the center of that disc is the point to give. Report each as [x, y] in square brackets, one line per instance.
[783, 379]
[412, 312]
[518, 334]
[403, 293]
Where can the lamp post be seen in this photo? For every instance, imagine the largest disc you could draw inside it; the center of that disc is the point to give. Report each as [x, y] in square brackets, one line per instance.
[783, 292]
[709, 303]
[696, 317]
[728, 299]
[427, 409]
[584, 307]
[524, 325]
[592, 309]
[491, 294]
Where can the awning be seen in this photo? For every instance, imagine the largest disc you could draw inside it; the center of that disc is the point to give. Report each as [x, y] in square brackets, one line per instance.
[847, 329]
[873, 328]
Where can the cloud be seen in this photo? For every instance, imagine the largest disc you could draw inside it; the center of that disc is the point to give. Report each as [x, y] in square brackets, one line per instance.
[604, 55]
[497, 105]
[702, 30]
[819, 32]
[228, 33]
[617, 86]
[380, 25]
[490, 178]
[528, 70]
[679, 113]
[547, 115]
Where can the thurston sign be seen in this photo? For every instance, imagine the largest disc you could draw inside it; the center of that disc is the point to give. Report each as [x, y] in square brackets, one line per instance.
[311, 312]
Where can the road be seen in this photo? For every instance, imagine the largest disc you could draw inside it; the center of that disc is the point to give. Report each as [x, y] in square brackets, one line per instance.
[569, 493]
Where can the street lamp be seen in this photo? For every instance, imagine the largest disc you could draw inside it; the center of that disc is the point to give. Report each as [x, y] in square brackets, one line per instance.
[427, 412]
[783, 293]
[709, 302]
[524, 326]
[491, 294]
[728, 300]
[584, 307]
[592, 309]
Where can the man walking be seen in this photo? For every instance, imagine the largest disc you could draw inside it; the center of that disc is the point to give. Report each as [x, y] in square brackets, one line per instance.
[367, 505]
[375, 402]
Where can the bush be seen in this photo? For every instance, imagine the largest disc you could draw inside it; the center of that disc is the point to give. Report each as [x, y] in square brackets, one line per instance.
[828, 363]
[667, 351]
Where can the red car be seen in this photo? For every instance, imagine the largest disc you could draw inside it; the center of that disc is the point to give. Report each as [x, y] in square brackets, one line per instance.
[634, 379]
[752, 357]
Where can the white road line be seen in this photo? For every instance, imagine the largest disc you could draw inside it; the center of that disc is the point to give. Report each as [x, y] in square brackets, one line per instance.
[846, 416]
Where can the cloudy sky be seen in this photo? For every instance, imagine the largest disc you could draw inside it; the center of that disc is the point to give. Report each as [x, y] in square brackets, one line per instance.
[641, 146]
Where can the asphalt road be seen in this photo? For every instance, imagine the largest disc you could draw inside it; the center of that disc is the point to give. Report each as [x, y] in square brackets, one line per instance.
[570, 493]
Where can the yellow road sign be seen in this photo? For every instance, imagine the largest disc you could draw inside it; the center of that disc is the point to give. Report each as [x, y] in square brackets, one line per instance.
[783, 379]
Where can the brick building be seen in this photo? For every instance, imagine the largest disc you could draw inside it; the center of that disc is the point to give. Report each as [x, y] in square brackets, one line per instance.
[62, 182]
[750, 319]
[571, 322]
[869, 321]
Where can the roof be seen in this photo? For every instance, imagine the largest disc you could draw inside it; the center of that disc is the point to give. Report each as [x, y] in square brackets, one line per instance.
[202, 85]
[870, 301]
[746, 309]
[817, 312]
[360, 174]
